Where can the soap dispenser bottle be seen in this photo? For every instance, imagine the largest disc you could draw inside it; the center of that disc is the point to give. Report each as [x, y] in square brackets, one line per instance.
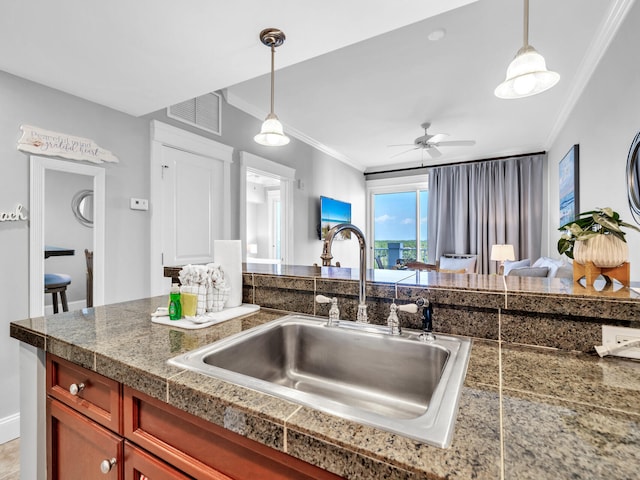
[175, 306]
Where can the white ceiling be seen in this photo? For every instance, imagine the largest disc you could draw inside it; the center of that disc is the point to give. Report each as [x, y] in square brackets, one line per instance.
[353, 76]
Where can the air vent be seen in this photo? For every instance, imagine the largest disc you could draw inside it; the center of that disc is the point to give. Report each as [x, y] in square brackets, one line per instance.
[203, 112]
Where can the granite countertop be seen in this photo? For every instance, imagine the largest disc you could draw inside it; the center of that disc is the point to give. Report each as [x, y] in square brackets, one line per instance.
[525, 413]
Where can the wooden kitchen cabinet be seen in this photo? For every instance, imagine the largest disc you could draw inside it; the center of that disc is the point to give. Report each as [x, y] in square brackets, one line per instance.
[93, 395]
[140, 465]
[146, 439]
[77, 446]
[203, 449]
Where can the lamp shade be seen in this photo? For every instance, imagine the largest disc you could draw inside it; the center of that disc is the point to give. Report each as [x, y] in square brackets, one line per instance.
[527, 75]
[500, 253]
[271, 134]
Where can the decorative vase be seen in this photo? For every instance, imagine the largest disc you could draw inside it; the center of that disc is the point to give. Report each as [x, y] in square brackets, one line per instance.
[604, 251]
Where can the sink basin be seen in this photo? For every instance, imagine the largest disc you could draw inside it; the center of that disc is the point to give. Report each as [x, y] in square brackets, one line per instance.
[358, 372]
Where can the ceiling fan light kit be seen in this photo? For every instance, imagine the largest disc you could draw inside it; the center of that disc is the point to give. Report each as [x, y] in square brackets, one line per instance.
[272, 134]
[527, 73]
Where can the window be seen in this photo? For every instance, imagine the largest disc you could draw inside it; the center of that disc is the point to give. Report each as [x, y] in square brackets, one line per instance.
[397, 226]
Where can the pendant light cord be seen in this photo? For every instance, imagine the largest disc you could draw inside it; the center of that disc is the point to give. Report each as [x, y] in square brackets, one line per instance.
[526, 24]
[273, 54]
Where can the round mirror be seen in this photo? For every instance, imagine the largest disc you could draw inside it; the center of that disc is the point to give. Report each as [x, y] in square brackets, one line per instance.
[633, 177]
[82, 207]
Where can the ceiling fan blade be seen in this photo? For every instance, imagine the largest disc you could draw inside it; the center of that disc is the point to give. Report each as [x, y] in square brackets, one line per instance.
[434, 152]
[456, 143]
[402, 153]
[401, 145]
[423, 138]
[438, 137]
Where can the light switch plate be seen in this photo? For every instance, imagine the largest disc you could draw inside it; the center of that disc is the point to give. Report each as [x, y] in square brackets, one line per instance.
[616, 335]
[139, 204]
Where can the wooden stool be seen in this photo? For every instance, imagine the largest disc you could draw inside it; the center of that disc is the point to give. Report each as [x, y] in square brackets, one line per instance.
[55, 283]
[89, 257]
[591, 272]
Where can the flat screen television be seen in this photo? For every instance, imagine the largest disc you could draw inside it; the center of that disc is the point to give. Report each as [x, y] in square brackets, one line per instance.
[333, 212]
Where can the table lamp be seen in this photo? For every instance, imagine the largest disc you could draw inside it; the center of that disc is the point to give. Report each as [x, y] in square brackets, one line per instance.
[500, 253]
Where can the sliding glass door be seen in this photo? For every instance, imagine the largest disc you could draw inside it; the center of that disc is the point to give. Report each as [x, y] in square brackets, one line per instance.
[397, 224]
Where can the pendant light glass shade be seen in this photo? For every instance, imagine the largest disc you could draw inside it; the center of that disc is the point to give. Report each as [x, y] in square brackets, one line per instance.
[272, 134]
[527, 73]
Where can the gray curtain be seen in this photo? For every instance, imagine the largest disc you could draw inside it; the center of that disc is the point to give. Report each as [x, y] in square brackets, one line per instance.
[476, 205]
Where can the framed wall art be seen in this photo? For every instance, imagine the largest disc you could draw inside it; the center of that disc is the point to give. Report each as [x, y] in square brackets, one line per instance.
[569, 185]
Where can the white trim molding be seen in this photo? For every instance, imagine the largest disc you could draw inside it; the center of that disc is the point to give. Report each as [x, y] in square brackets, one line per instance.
[587, 67]
[9, 428]
[286, 175]
[163, 135]
[39, 165]
[259, 114]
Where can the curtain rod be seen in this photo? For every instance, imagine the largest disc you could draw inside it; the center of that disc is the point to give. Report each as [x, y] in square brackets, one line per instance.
[454, 163]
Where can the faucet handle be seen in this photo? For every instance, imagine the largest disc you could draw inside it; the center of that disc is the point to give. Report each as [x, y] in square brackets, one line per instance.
[409, 308]
[322, 299]
[334, 312]
[422, 302]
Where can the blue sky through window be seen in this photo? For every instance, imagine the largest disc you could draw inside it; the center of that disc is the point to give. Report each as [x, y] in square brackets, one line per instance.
[395, 215]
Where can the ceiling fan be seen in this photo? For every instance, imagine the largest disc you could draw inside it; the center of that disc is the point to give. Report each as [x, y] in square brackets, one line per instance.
[430, 142]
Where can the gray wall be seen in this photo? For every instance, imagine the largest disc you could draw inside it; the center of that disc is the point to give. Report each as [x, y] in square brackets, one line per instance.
[604, 122]
[24, 102]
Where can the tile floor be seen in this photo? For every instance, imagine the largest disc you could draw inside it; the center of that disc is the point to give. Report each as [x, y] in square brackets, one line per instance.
[10, 460]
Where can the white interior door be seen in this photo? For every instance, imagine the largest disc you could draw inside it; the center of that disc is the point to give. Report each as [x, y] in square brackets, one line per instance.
[193, 202]
[190, 200]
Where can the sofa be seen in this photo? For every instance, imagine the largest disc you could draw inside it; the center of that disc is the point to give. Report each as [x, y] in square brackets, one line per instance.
[544, 267]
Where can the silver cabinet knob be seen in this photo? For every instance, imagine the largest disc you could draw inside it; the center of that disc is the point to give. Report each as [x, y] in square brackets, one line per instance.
[107, 465]
[76, 388]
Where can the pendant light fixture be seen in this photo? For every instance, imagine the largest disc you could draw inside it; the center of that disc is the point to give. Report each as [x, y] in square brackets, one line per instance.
[527, 73]
[271, 134]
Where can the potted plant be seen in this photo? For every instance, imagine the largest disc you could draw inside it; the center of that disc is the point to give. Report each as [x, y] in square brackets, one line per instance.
[596, 237]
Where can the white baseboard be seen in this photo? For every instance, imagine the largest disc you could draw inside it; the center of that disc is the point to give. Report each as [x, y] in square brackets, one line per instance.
[9, 428]
[77, 305]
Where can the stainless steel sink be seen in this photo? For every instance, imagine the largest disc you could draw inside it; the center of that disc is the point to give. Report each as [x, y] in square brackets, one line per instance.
[359, 372]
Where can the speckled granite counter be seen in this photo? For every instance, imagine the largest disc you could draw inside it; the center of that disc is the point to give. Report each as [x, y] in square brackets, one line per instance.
[525, 413]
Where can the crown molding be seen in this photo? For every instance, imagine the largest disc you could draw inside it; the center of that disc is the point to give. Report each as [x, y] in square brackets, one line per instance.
[589, 63]
[259, 114]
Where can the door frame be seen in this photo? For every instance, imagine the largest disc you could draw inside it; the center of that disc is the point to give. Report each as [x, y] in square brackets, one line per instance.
[286, 175]
[39, 166]
[389, 185]
[164, 135]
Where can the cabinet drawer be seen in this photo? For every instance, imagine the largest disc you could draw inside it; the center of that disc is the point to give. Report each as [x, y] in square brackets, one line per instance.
[77, 446]
[95, 396]
[204, 450]
[140, 465]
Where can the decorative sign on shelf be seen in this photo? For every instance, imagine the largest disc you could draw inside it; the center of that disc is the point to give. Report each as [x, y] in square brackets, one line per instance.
[44, 142]
[14, 216]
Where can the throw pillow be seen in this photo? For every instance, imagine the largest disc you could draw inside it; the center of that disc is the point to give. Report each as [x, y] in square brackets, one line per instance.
[511, 264]
[552, 264]
[467, 264]
[529, 272]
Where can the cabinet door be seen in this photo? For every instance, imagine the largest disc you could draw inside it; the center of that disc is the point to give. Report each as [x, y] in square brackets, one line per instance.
[77, 446]
[140, 465]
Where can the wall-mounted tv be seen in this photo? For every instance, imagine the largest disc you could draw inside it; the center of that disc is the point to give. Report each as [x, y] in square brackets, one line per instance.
[333, 212]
